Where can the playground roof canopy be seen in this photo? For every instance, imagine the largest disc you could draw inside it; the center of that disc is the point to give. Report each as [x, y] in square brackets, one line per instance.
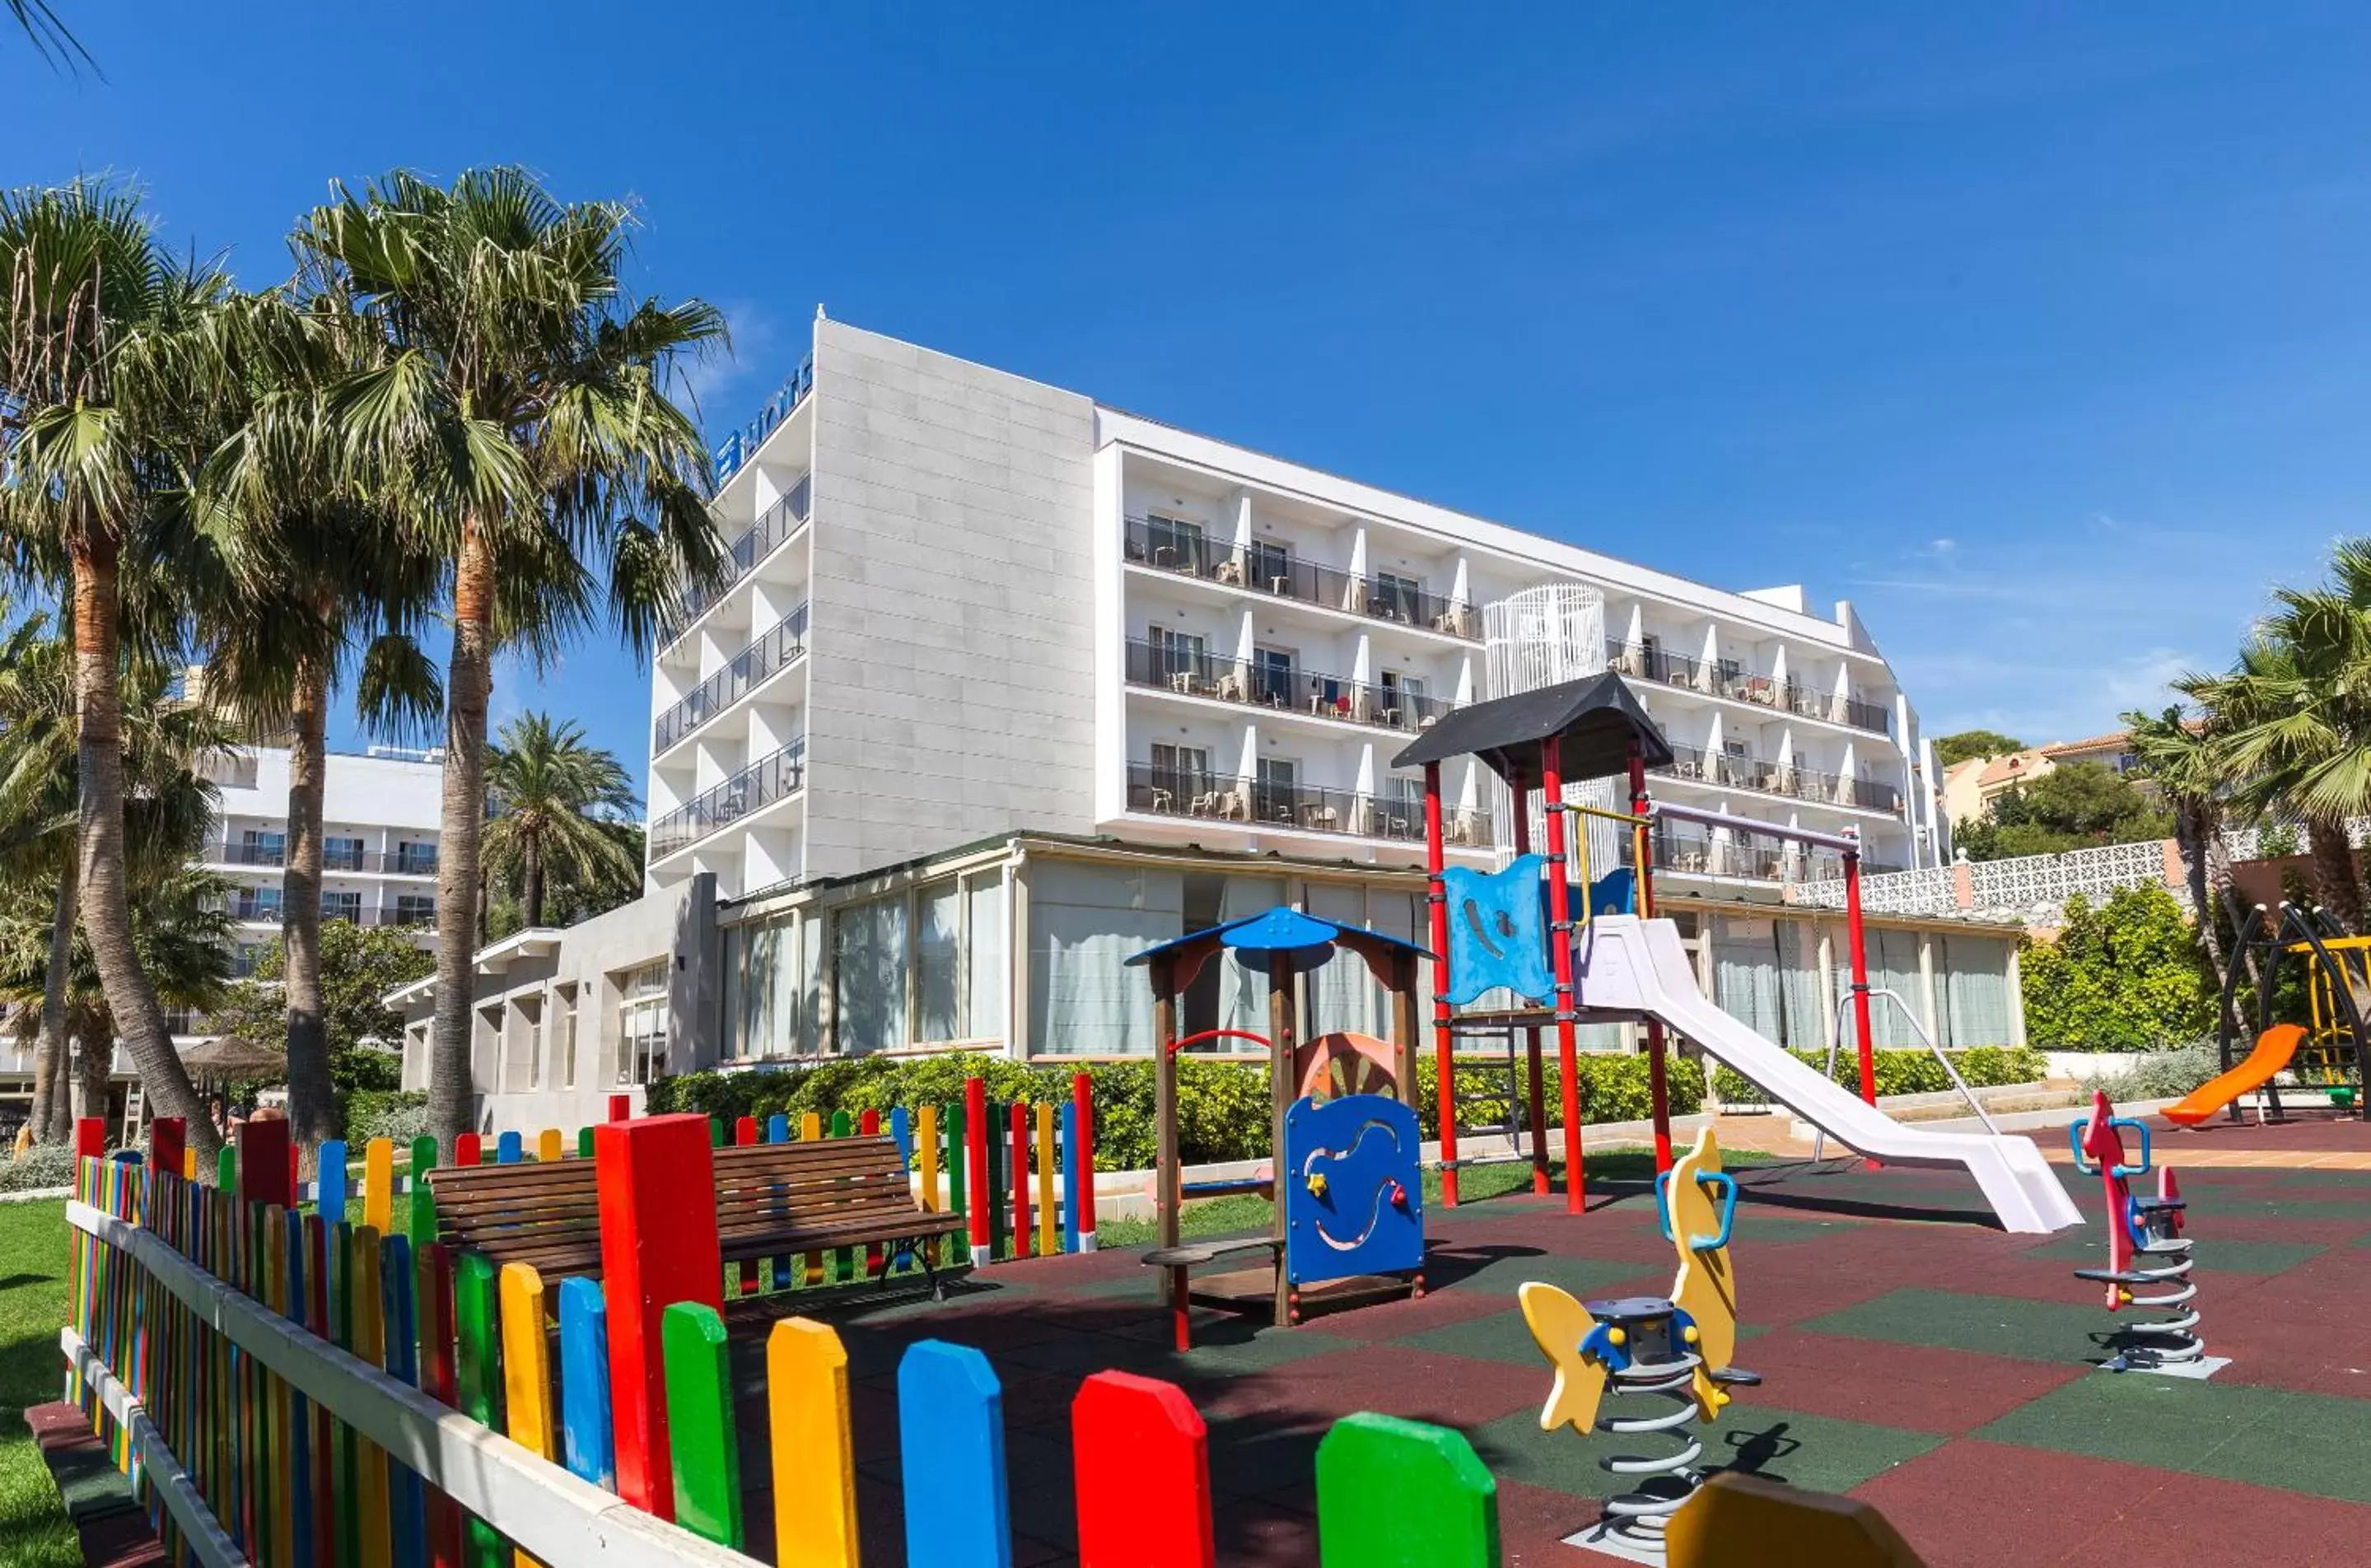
[1310, 938]
[1597, 718]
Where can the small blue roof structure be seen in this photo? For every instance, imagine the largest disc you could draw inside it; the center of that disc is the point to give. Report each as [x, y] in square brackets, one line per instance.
[1310, 938]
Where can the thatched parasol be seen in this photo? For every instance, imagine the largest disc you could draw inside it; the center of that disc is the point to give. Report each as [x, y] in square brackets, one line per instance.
[233, 1060]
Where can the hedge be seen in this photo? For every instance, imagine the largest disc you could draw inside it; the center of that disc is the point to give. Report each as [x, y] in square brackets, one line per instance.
[1222, 1107]
[1904, 1072]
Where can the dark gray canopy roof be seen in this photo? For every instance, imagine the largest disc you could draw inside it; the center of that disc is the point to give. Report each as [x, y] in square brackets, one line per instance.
[1598, 718]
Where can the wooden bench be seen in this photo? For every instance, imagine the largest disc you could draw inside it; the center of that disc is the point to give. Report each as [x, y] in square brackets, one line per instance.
[771, 1200]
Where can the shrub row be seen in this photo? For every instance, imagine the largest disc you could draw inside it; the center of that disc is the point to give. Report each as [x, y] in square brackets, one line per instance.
[1222, 1107]
[1906, 1072]
[397, 1115]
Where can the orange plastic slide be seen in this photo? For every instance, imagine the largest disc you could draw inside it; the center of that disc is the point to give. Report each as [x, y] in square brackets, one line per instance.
[2274, 1048]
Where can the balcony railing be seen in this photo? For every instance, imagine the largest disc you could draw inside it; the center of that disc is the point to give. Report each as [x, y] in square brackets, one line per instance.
[740, 446]
[1781, 778]
[415, 860]
[1303, 808]
[352, 912]
[1168, 667]
[1688, 850]
[1258, 570]
[749, 668]
[1733, 681]
[781, 520]
[760, 784]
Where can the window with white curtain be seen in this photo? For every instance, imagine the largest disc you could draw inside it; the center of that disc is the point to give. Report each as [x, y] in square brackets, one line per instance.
[1972, 973]
[769, 986]
[869, 966]
[938, 958]
[1085, 921]
[1242, 991]
[984, 950]
[1343, 992]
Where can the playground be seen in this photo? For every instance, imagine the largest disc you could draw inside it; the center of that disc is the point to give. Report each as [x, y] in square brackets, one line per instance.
[1912, 1356]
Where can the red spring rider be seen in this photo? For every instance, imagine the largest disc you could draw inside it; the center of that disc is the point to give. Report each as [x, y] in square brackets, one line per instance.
[2146, 1248]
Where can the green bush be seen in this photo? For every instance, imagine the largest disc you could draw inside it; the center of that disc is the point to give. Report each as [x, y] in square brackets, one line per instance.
[1222, 1106]
[43, 1165]
[2161, 1074]
[1904, 1072]
[397, 1115]
[2125, 976]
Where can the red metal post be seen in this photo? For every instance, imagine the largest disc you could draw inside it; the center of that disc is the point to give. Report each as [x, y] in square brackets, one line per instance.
[1535, 1101]
[1858, 941]
[1445, 1043]
[1561, 951]
[978, 1199]
[1658, 1071]
[657, 1189]
[620, 1107]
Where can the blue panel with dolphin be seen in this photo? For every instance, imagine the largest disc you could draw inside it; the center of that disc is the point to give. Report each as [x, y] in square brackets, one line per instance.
[1498, 930]
[1353, 1199]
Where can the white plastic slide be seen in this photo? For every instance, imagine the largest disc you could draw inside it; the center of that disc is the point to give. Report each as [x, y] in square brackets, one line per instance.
[1631, 965]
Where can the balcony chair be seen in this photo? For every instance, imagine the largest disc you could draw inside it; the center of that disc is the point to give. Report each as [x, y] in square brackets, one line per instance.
[1205, 804]
[1230, 571]
[1230, 688]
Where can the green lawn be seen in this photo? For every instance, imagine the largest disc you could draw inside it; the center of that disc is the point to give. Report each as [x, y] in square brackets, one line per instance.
[33, 1528]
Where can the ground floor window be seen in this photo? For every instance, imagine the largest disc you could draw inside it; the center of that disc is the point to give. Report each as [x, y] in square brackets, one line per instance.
[642, 1026]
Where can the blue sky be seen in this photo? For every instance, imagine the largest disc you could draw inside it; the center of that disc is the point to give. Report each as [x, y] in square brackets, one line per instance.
[2038, 333]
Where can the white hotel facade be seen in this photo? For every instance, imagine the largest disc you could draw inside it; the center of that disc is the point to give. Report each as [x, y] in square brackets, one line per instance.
[1009, 684]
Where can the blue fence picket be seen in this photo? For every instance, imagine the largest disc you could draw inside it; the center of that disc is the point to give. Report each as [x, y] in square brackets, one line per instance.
[951, 1441]
[586, 1443]
[509, 1149]
[329, 1181]
[777, 1130]
[407, 1502]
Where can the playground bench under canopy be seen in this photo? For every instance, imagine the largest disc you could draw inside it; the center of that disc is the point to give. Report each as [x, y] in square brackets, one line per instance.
[773, 1200]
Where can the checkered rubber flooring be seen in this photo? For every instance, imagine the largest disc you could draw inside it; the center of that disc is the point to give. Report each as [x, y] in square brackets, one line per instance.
[1912, 1356]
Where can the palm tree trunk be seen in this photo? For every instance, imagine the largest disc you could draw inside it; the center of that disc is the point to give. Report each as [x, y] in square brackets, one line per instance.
[93, 1073]
[2198, 833]
[2335, 880]
[53, 1122]
[312, 1107]
[531, 882]
[468, 685]
[106, 892]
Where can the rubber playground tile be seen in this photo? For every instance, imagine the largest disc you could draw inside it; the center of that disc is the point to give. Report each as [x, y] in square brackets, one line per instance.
[1806, 1450]
[1972, 1504]
[1264, 1533]
[1230, 1356]
[1414, 1315]
[1502, 1337]
[2219, 1252]
[1990, 1325]
[1446, 1390]
[1916, 1388]
[1583, 1278]
[1534, 1521]
[2277, 1438]
[2215, 1204]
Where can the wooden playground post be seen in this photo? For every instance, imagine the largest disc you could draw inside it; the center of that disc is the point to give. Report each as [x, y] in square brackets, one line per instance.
[744, 1131]
[1281, 1032]
[976, 1167]
[1018, 1119]
[1560, 950]
[1049, 1239]
[1658, 1083]
[1083, 1151]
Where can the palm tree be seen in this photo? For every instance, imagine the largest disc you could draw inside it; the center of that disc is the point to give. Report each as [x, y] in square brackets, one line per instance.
[104, 371]
[296, 573]
[2177, 754]
[521, 426]
[547, 794]
[50, 37]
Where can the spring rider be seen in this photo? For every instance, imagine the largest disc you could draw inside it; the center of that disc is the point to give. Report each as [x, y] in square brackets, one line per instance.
[1673, 1352]
[2145, 1249]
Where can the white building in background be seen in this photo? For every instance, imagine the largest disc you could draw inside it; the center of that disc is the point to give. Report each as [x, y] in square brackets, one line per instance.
[380, 812]
[1008, 683]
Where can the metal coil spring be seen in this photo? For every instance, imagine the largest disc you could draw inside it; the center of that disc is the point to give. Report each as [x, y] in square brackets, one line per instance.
[2161, 1341]
[1639, 1515]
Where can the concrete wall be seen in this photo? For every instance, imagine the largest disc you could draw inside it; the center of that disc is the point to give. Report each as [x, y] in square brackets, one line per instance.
[951, 656]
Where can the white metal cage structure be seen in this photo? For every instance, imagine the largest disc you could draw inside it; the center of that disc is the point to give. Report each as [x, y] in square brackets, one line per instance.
[1540, 637]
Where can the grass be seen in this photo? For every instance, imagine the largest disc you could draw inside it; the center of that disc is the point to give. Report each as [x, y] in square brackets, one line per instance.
[33, 1304]
[1249, 1213]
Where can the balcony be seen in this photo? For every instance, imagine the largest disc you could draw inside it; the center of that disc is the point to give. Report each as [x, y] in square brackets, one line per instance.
[736, 449]
[1777, 778]
[762, 783]
[351, 910]
[408, 860]
[1263, 569]
[1300, 808]
[1689, 849]
[781, 520]
[749, 668]
[1728, 679]
[1168, 667]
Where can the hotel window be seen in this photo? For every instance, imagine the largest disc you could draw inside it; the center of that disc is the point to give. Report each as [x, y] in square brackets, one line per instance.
[342, 853]
[959, 959]
[642, 1025]
[415, 909]
[1278, 789]
[1270, 564]
[563, 1023]
[1396, 597]
[259, 848]
[1272, 676]
[345, 906]
[1176, 544]
[1176, 654]
[416, 860]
